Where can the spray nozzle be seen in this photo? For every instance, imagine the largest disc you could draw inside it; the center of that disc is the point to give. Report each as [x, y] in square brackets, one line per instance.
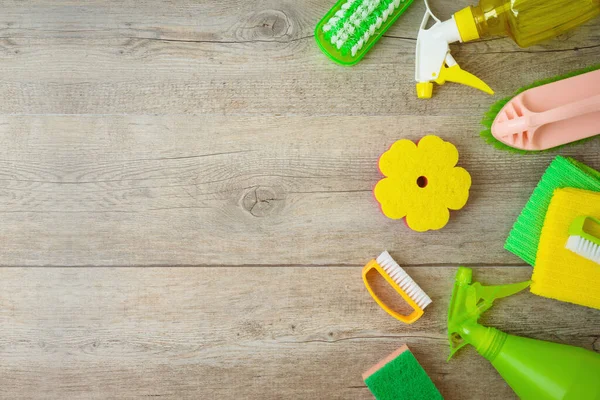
[433, 62]
[469, 301]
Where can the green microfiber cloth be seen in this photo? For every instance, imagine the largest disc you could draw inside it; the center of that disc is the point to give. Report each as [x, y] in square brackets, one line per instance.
[399, 376]
[563, 172]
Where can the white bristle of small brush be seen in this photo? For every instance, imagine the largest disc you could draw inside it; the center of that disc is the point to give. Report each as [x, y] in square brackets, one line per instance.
[584, 248]
[359, 15]
[403, 280]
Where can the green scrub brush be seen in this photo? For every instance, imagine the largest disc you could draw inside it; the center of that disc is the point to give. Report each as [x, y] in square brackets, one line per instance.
[530, 106]
[349, 30]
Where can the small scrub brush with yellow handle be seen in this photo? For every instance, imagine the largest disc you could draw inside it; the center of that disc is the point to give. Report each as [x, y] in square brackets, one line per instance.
[401, 282]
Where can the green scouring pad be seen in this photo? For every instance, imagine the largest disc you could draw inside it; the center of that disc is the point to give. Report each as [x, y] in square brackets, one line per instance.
[563, 172]
[399, 376]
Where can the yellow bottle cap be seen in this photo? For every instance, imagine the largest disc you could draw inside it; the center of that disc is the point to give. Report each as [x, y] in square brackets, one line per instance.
[424, 90]
[465, 22]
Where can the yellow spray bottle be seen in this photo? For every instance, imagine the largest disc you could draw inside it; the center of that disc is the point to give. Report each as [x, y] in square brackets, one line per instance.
[527, 22]
[534, 369]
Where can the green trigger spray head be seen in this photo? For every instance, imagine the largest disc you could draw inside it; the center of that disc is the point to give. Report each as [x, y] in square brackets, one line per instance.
[468, 302]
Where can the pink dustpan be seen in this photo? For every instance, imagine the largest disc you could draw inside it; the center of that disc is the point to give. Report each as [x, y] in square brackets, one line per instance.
[551, 115]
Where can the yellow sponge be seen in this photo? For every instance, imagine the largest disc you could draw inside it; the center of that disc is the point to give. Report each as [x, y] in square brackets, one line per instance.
[422, 183]
[559, 273]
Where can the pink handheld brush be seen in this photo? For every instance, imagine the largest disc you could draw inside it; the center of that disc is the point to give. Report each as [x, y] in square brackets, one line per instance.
[551, 115]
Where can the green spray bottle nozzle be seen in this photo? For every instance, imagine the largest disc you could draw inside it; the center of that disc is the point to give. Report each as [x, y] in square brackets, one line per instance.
[469, 301]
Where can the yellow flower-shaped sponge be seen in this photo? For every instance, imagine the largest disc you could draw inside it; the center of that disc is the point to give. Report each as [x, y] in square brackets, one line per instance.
[422, 183]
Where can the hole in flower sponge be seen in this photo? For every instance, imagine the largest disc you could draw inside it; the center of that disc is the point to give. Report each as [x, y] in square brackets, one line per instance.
[421, 181]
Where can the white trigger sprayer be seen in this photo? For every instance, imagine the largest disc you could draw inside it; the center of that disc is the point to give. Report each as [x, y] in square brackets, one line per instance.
[433, 62]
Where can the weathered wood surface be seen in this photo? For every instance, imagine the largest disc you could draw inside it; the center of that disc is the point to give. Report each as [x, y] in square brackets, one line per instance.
[230, 58]
[216, 135]
[241, 333]
[172, 190]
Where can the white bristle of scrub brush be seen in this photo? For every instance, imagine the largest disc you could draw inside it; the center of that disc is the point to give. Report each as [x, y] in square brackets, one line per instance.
[584, 248]
[403, 280]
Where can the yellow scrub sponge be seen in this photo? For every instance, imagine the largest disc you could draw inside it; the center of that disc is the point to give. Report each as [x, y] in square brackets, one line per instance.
[422, 183]
[559, 273]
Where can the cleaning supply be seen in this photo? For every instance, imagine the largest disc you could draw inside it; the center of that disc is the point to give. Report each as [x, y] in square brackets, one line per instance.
[402, 283]
[546, 114]
[433, 61]
[399, 376]
[527, 22]
[422, 183]
[349, 30]
[582, 242]
[563, 172]
[559, 273]
[534, 369]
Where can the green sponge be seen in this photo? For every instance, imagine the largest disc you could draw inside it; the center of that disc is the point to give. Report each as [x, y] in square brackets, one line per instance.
[563, 172]
[399, 376]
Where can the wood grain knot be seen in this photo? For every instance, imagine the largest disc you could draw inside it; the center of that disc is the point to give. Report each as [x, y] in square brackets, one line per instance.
[266, 24]
[261, 201]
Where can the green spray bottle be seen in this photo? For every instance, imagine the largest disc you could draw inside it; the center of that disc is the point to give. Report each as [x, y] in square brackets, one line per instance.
[534, 369]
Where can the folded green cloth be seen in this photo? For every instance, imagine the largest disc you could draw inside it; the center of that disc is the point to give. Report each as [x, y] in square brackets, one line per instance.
[563, 172]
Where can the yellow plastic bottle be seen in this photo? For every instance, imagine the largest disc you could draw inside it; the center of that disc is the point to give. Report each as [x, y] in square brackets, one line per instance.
[527, 22]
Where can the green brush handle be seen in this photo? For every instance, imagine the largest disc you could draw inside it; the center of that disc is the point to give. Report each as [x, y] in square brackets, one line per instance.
[577, 228]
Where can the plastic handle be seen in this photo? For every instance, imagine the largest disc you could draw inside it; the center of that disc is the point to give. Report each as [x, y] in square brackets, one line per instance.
[469, 301]
[491, 293]
[577, 228]
[407, 319]
[454, 73]
[566, 111]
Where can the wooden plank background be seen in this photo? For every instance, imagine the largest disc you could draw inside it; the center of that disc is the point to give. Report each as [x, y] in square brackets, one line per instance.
[214, 145]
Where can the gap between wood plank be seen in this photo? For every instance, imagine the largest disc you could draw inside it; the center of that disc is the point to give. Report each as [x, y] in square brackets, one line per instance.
[208, 266]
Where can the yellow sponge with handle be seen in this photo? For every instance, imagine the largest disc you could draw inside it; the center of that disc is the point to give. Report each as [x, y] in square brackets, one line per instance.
[560, 273]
